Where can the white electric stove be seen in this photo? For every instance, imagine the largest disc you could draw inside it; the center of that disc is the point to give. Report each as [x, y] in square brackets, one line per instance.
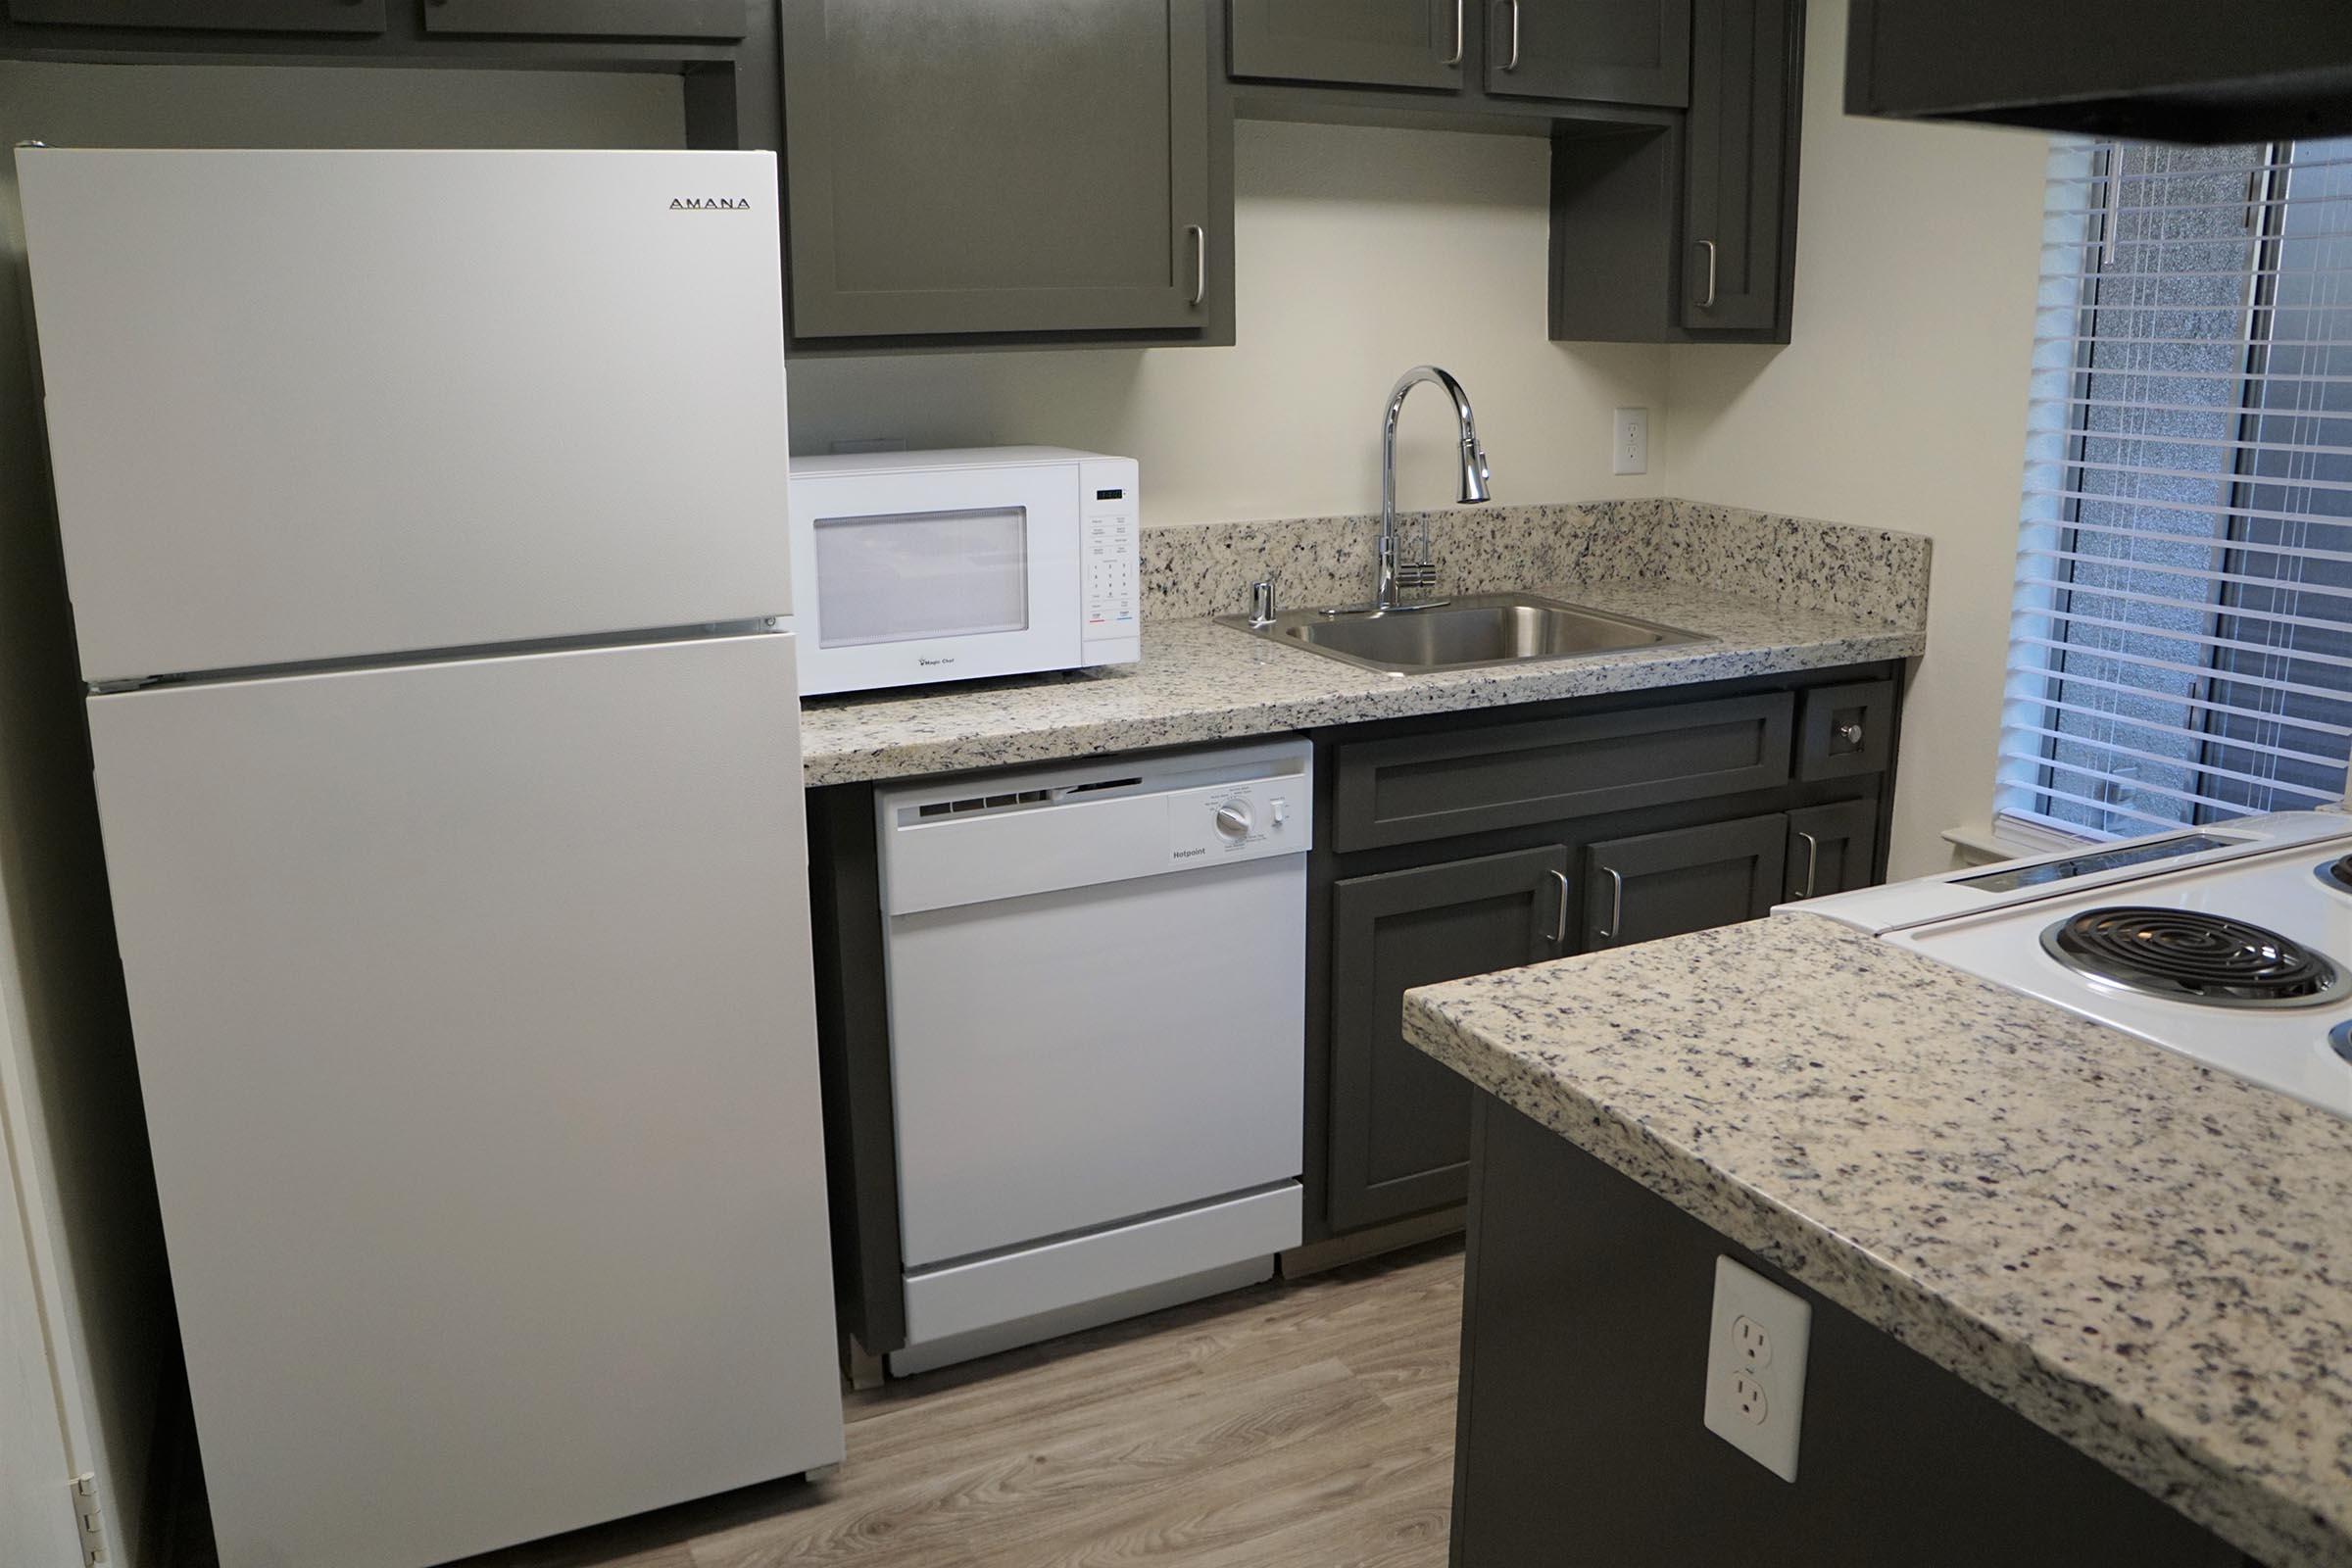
[2230, 944]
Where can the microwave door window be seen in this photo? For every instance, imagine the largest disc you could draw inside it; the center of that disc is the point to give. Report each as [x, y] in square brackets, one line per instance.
[910, 576]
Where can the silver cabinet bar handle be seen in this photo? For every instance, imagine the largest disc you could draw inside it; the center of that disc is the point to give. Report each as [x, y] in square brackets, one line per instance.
[1459, 36]
[1616, 903]
[1812, 863]
[1559, 929]
[1512, 64]
[1200, 261]
[1708, 303]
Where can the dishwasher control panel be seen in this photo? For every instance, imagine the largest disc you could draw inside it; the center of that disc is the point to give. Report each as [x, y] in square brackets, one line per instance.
[979, 838]
[1239, 820]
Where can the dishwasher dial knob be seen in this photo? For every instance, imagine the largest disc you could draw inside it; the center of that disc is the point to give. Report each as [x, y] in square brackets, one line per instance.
[1234, 821]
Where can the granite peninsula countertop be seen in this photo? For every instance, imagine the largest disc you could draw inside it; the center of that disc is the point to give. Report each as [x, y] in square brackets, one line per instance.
[2147, 1259]
[1199, 681]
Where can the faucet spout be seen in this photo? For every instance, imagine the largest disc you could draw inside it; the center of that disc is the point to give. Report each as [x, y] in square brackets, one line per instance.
[1422, 573]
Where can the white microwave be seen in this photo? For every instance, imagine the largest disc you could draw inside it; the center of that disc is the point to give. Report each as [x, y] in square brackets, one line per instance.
[917, 566]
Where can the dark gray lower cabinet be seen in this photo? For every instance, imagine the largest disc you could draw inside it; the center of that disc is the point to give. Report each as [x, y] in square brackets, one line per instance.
[1018, 167]
[1401, 1122]
[1598, 51]
[1579, 1445]
[1665, 884]
[1375, 43]
[1831, 849]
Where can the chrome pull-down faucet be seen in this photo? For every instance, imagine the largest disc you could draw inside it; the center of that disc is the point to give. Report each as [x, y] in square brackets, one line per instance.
[1397, 575]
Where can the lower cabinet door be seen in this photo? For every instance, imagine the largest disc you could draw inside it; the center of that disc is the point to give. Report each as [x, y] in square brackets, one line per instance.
[1400, 1121]
[1832, 847]
[1664, 884]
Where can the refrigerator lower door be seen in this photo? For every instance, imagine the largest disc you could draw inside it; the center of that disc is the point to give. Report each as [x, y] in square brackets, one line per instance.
[474, 1027]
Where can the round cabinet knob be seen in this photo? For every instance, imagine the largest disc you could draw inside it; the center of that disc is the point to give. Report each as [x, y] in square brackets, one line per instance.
[1851, 734]
[1234, 820]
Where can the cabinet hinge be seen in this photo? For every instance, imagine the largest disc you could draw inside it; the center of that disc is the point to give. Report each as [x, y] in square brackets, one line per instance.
[87, 1519]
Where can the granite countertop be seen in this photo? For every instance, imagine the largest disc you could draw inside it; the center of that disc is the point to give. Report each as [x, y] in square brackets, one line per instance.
[1199, 681]
[2149, 1259]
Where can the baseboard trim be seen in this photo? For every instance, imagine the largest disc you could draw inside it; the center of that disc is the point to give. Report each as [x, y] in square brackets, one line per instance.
[1317, 1256]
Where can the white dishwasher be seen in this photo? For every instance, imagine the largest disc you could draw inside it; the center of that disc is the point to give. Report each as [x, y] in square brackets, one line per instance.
[1096, 976]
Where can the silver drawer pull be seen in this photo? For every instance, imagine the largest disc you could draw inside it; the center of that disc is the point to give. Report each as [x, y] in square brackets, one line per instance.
[1455, 58]
[1200, 261]
[1559, 928]
[1512, 64]
[1616, 905]
[1708, 303]
[1812, 863]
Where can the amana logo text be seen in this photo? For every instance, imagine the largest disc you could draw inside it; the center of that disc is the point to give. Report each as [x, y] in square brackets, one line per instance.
[709, 204]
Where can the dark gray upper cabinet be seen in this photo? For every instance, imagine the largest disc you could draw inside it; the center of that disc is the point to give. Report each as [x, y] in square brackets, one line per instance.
[1740, 153]
[1375, 43]
[2192, 71]
[1831, 849]
[1023, 166]
[592, 19]
[1400, 1121]
[209, 16]
[1599, 51]
[1687, 232]
[1688, 879]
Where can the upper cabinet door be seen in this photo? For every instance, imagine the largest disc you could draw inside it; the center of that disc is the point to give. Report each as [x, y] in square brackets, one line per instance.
[1739, 199]
[1023, 166]
[1603, 51]
[1376, 43]
[209, 16]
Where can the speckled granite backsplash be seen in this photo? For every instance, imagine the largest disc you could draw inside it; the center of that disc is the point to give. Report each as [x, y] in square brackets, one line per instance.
[1199, 569]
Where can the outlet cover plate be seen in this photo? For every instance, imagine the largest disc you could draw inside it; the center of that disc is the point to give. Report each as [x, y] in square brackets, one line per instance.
[1629, 442]
[1787, 1319]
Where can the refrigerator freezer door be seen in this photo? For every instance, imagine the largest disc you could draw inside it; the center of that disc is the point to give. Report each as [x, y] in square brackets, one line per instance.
[473, 1019]
[310, 405]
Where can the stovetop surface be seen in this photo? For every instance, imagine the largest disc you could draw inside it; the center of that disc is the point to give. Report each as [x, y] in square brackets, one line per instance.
[2286, 1047]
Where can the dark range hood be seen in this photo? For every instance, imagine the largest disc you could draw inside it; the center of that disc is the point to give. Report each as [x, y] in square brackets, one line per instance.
[2184, 71]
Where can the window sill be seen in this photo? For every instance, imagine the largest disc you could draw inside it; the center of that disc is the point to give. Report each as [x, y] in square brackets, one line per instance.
[1983, 845]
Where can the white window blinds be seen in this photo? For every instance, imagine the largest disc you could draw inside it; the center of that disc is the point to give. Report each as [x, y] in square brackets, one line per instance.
[2180, 644]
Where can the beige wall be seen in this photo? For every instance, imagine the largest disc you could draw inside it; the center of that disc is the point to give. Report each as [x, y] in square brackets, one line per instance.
[67, 1081]
[1900, 403]
[1359, 252]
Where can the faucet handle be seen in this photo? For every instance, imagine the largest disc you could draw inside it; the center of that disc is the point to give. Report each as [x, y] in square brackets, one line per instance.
[1261, 602]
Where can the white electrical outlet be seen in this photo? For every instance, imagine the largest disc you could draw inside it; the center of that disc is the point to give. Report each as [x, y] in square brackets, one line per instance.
[1755, 1398]
[1629, 447]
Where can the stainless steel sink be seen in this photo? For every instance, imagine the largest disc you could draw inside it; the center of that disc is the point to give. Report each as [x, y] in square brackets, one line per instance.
[1463, 633]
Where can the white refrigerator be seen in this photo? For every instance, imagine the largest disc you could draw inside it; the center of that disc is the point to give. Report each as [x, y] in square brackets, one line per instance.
[424, 518]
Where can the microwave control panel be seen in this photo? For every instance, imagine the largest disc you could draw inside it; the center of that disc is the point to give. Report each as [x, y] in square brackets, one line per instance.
[1108, 551]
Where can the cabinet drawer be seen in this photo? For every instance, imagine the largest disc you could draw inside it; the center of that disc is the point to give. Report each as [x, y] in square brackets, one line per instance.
[1846, 730]
[1511, 775]
[210, 15]
[592, 19]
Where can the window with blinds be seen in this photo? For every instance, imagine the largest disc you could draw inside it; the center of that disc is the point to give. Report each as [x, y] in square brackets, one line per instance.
[2180, 647]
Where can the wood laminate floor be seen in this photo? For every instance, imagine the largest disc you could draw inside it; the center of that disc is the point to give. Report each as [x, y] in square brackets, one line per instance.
[1284, 1425]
